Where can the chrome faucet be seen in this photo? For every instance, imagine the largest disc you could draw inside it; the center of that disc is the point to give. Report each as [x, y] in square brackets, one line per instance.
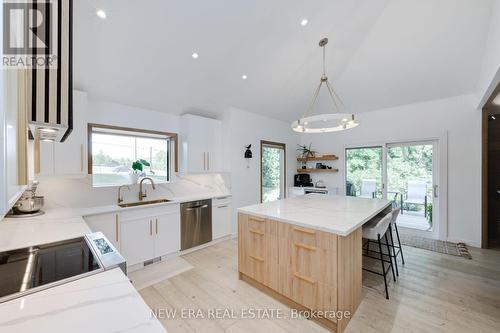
[120, 196]
[141, 194]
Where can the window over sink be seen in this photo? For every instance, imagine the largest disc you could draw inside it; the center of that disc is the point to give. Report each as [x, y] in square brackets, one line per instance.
[113, 150]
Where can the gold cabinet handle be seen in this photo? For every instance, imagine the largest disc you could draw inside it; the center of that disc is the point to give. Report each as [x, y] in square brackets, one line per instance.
[257, 219]
[116, 226]
[157, 226]
[150, 227]
[304, 278]
[256, 232]
[305, 246]
[256, 258]
[304, 231]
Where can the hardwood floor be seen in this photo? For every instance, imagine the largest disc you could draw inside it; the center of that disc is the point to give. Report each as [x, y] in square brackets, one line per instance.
[434, 293]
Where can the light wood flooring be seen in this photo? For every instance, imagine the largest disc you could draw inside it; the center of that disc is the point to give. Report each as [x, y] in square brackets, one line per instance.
[434, 293]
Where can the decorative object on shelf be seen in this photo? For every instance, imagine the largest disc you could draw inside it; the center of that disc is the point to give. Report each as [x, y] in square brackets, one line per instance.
[137, 170]
[306, 153]
[323, 123]
[319, 158]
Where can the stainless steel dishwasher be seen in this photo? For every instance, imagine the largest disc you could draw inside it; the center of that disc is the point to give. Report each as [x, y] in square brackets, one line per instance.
[196, 223]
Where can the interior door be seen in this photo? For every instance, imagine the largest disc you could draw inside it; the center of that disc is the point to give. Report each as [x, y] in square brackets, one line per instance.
[273, 171]
[412, 184]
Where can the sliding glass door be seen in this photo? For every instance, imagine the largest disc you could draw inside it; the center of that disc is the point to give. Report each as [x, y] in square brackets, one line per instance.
[364, 172]
[411, 183]
[405, 173]
[273, 174]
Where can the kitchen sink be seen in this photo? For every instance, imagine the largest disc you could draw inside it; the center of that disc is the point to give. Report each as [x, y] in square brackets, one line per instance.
[142, 203]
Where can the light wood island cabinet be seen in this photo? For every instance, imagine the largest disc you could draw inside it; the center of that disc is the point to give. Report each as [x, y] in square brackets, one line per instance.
[304, 268]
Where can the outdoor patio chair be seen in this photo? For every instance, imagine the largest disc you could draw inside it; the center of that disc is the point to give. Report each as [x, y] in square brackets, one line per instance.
[416, 195]
[368, 188]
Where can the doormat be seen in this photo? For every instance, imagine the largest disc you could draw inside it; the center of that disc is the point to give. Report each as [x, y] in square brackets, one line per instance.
[454, 249]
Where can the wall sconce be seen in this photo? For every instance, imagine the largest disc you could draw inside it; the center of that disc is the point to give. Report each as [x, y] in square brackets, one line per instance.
[248, 155]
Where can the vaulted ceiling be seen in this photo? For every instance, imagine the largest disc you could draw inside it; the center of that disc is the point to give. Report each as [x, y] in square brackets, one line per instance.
[381, 53]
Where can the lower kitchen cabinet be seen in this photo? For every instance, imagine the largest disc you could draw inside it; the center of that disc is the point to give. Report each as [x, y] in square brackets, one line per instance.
[108, 224]
[141, 234]
[221, 218]
[137, 240]
[167, 230]
[258, 249]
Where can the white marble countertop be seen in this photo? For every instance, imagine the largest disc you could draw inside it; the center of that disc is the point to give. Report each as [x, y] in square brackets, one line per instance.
[23, 232]
[103, 302]
[340, 215]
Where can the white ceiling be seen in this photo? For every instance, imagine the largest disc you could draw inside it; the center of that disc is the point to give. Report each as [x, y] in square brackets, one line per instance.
[381, 53]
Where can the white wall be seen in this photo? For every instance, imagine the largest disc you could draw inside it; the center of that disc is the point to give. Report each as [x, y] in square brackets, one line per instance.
[241, 128]
[455, 118]
[107, 113]
[490, 70]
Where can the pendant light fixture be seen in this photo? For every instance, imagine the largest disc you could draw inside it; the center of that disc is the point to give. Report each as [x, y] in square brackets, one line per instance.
[329, 122]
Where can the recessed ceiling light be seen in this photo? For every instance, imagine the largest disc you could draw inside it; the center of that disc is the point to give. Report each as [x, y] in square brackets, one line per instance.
[101, 14]
[194, 55]
[304, 22]
[244, 77]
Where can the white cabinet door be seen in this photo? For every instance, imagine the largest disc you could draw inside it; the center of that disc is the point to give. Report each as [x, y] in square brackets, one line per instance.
[108, 224]
[70, 156]
[201, 147]
[221, 221]
[167, 229]
[137, 243]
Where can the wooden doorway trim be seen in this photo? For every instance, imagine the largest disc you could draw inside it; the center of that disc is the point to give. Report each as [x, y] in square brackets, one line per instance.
[484, 180]
[278, 145]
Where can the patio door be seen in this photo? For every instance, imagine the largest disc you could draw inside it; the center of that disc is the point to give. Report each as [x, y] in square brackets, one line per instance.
[405, 173]
[273, 171]
[364, 171]
[412, 184]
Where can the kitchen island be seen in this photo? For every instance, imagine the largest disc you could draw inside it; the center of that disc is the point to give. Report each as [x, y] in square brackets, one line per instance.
[306, 252]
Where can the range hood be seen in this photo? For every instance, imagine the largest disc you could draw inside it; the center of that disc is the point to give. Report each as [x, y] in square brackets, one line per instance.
[49, 89]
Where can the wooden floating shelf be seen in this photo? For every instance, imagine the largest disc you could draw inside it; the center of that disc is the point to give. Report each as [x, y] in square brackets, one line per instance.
[318, 158]
[309, 170]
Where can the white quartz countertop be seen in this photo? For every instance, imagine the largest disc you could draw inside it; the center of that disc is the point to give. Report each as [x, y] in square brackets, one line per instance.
[103, 302]
[23, 232]
[340, 215]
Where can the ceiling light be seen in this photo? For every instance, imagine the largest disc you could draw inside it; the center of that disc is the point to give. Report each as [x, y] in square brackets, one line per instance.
[101, 14]
[304, 22]
[330, 122]
[194, 55]
[244, 77]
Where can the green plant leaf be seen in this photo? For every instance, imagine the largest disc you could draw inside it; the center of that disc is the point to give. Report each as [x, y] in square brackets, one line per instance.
[137, 166]
[144, 162]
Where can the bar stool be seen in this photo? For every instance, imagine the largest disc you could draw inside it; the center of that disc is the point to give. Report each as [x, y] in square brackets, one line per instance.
[394, 226]
[374, 232]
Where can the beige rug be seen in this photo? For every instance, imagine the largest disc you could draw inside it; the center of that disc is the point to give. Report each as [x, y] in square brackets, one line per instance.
[454, 249]
[158, 272]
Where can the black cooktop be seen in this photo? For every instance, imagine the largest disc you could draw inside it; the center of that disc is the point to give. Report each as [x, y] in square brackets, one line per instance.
[31, 267]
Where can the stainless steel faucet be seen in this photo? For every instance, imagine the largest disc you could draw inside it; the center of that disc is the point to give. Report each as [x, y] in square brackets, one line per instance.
[141, 194]
[120, 196]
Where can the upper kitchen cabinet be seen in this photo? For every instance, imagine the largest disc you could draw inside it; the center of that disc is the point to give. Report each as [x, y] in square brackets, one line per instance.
[67, 158]
[201, 144]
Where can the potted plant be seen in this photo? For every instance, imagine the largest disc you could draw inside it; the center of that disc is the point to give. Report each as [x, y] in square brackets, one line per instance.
[137, 169]
[305, 152]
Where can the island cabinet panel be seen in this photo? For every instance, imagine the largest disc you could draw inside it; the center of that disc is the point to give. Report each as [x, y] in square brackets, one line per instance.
[258, 249]
[308, 267]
